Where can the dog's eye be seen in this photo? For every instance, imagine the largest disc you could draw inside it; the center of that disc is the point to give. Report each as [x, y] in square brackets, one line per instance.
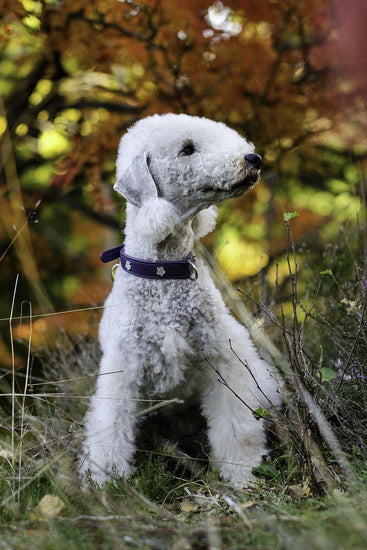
[188, 150]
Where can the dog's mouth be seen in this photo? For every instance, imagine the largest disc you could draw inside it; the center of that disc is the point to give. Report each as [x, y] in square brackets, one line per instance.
[245, 183]
[238, 188]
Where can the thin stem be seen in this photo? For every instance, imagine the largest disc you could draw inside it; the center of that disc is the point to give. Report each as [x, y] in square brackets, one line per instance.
[13, 375]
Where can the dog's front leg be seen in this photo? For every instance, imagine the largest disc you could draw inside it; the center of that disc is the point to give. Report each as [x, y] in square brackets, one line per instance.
[110, 424]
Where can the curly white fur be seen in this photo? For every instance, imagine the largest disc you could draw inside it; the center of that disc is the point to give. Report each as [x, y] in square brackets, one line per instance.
[164, 338]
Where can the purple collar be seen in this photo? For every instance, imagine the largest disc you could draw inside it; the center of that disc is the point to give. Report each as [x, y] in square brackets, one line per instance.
[181, 269]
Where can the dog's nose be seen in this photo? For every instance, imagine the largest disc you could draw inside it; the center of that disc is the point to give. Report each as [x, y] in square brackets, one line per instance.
[254, 159]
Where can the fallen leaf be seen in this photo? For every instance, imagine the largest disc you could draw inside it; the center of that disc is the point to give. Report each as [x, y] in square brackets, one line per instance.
[307, 488]
[247, 505]
[187, 506]
[300, 490]
[49, 505]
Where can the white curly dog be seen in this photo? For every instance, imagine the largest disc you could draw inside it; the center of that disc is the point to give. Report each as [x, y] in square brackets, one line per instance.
[164, 338]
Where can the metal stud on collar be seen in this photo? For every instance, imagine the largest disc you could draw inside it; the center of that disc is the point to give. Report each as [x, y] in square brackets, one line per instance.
[160, 271]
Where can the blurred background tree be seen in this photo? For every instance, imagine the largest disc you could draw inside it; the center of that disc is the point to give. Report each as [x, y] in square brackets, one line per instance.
[75, 74]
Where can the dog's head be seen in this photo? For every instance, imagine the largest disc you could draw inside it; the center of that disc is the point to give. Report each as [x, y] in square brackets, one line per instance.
[191, 162]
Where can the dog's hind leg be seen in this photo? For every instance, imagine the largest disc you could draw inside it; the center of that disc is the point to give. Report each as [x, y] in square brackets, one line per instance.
[110, 424]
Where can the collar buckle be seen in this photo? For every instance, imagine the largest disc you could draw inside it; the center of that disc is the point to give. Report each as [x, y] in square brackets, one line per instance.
[194, 274]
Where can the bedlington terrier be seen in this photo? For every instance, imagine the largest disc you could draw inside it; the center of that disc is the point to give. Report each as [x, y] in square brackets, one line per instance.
[165, 330]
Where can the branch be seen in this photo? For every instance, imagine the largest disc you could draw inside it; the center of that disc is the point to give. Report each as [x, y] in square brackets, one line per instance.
[109, 105]
[52, 195]
[18, 100]
[122, 30]
[104, 219]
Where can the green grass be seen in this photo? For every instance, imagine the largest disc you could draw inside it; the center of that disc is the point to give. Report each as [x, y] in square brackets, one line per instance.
[163, 506]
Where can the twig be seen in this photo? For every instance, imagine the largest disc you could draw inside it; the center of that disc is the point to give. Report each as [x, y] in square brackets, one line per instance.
[268, 313]
[24, 397]
[356, 339]
[246, 365]
[237, 509]
[225, 383]
[13, 375]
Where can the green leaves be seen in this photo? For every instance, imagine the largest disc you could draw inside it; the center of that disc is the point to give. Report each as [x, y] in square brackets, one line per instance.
[288, 216]
[327, 272]
[261, 413]
[266, 470]
[327, 374]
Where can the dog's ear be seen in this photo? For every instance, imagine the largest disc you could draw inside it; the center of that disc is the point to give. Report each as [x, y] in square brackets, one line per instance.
[137, 184]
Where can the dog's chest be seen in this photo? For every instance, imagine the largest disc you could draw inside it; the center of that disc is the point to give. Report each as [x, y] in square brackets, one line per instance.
[180, 307]
[172, 323]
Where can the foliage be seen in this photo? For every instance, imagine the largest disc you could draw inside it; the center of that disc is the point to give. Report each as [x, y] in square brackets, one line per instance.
[75, 75]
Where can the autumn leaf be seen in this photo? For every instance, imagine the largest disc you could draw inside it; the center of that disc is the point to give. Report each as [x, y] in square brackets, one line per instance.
[50, 506]
[110, 64]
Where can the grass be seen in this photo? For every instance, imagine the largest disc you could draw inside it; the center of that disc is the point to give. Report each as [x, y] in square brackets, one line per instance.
[157, 508]
[163, 505]
[304, 497]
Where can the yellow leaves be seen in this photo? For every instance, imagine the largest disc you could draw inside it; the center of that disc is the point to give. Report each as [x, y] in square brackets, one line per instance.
[32, 22]
[21, 129]
[49, 506]
[35, 98]
[146, 91]
[52, 143]
[286, 142]
[138, 70]
[72, 114]
[44, 86]
[188, 506]
[352, 306]
[258, 31]
[300, 490]
[32, 7]
[84, 83]
[238, 258]
[3, 125]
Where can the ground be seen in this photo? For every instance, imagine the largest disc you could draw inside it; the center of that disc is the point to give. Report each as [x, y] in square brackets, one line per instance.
[163, 506]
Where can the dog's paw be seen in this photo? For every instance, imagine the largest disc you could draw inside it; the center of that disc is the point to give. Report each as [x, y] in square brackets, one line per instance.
[238, 475]
[100, 471]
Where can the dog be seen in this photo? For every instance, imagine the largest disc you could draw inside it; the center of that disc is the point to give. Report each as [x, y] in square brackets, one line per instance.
[165, 330]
